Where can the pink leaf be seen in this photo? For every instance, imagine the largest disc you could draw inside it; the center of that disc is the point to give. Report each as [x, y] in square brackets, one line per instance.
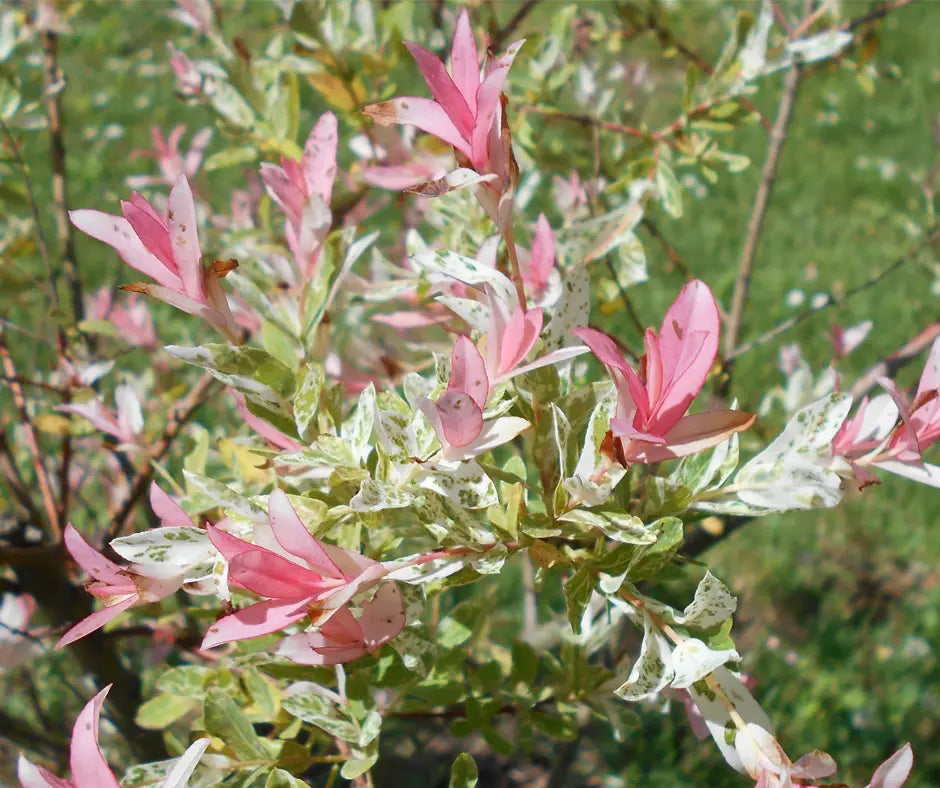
[166, 508]
[602, 346]
[688, 341]
[488, 101]
[443, 89]
[384, 617]
[181, 220]
[117, 232]
[424, 113]
[694, 434]
[520, 335]
[893, 773]
[543, 254]
[88, 764]
[461, 418]
[465, 62]
[96, 620]
[93, 562]
[468, 371]
[319, 161]
[262, 618]
[294, 537]
[268, 574]
[150, 229]
[285, 192]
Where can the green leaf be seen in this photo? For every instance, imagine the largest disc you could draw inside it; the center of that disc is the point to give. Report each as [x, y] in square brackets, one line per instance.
[303, 700]
[307, 399]
[266, 383]
[186, 680]
[262, 693]
[230, 157]
[525, 662]
[279, 343]
[163, 710]
[656, 557]
[224, 719]
[356, 767]
[464, 773]
[229, 103]
[670, 192]
[578, 588]
[206, 493]
[282, 779]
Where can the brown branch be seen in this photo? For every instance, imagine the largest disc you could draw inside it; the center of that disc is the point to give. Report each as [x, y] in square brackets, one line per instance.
[670, 251]
[53, 91]
[33, 209]
[875, 14]
[607, 125]
[831, 300]
[890, 364]
[11, 475]
[32, 441]
[667, 38]
[498, 38]
[197, 395]
[745, 266]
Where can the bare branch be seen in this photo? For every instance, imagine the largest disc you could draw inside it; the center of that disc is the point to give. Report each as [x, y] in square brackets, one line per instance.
[197, 395]
[890, 364]
[778, 136]
[32, 441]
[831, 300]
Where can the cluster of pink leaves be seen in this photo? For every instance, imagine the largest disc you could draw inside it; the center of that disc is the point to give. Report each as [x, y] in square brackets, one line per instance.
[88, 765]
[873, 438]
[651, 424]
[301, 579]
[304, 579]
[166, 248]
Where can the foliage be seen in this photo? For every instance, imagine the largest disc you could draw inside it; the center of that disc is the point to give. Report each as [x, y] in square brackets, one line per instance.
[379, 417]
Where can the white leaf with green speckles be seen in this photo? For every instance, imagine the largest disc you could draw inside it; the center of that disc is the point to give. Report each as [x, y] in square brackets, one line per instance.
[181, 546]
[572, 310]
[596, 475]
[652, 672]
[442, 265]
[206, 493]
[792, 472]
[466, 485]
[307, 399]
[475, 313]
[715, 711]
[416, 649]
[591, 239]
[375, 495]
[692, 660]
[357, 429]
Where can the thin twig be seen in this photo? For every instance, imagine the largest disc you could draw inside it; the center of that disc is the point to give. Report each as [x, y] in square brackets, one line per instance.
[498, 38]
[607, 125]
[670, 251]
[890, 364]
[32, 441]
[53, 91]
[33, 209]
[11, 475]
[197, 395]
[876, 13]
[831, 300]
[667, 38]
[777, 137]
